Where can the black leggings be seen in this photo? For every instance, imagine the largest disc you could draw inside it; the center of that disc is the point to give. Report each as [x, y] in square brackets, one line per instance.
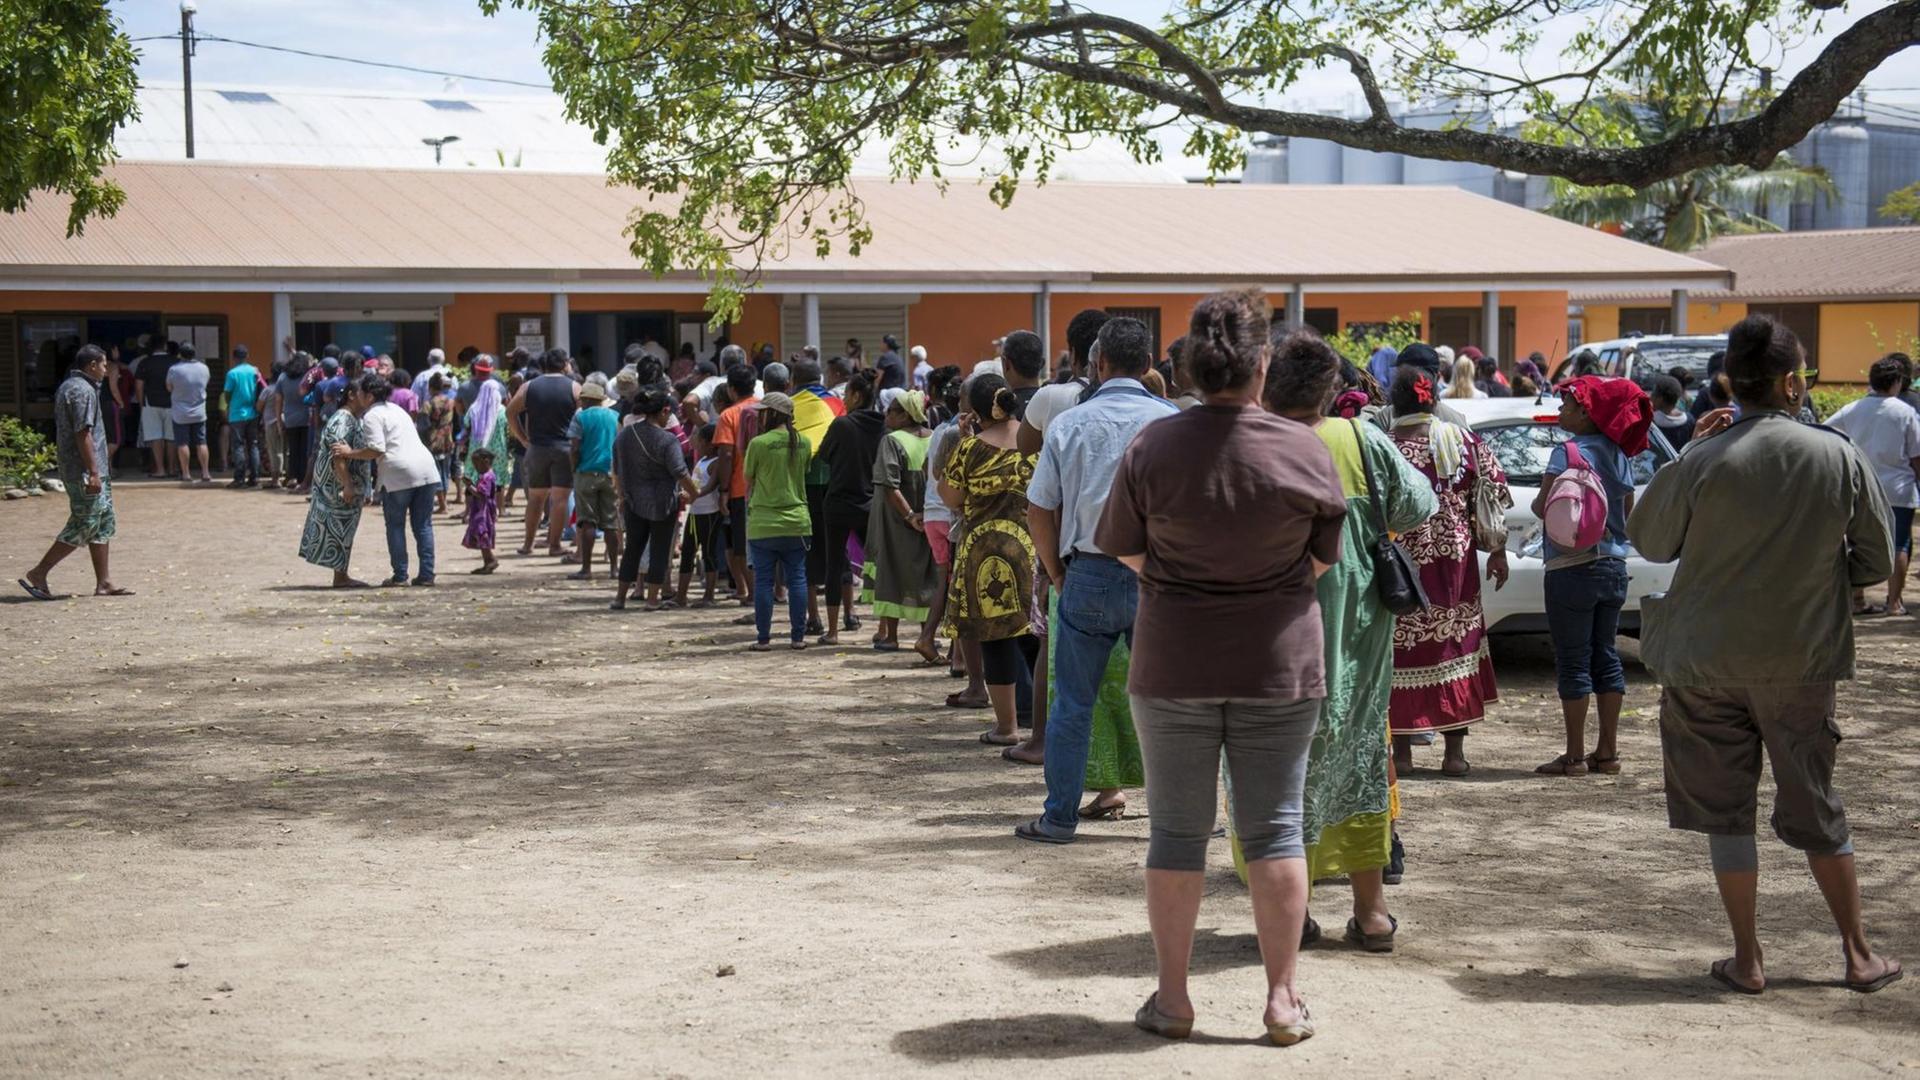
[299, 462]
[840, 525]
[1009, 661]
[702, 542]
[656, 537]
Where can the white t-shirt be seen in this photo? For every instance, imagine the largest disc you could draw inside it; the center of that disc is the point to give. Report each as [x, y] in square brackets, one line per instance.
[405, 461]
[710, 502]
[1887, 431]
[1052, 400]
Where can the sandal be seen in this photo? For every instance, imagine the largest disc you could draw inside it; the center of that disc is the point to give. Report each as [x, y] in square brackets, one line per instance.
[1609, 766]
[1447, 769]
[33, 590]
[959, 701]
[760, 646]
[995, 739]
[1150, 1018]
[1874, 985]
[1309, 933]
[1012, 753]
[1373, 943]
[1290, 1034]
[1870, 610]
[1095, 811]
[1725, 978]
[1563, 766]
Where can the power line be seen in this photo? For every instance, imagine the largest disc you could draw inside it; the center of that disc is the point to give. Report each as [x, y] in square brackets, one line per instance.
[351, 60]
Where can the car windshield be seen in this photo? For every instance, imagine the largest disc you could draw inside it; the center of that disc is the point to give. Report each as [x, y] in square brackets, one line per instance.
[1522, 447]
[1663, 356]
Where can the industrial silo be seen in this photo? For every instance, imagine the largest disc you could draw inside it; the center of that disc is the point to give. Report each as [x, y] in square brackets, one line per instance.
[1467, 175]
[1266, 162]
[1843, 149]
[1313, 161]
[1367, 167]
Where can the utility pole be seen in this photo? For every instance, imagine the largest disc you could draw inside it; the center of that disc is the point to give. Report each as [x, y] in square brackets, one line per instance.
[186, 65]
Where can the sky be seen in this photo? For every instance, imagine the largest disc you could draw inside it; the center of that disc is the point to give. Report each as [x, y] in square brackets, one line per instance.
[453, 35]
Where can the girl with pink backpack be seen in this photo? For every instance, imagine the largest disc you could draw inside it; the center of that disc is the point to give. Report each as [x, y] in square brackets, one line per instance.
[1585, 496]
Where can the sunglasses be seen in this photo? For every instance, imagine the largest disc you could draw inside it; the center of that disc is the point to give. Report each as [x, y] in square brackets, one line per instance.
[1807, 372]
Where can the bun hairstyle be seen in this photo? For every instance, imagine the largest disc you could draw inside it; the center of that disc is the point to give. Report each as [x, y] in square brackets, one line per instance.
[990, 398]
[1413, 391]
[1303, 374]
[860, 384]
[1225, 337]
[1759, 351]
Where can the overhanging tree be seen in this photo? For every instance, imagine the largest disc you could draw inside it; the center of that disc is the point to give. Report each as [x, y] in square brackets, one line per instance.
[746, 115]
[66, 83]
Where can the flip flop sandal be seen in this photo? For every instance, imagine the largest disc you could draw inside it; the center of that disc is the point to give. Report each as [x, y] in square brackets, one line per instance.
[1720, 975]
[955, 701]
[1870, 610]
[1008, 755]
[1309, 933]
[115, 591]
[33, 590]
[991, 739]
[744, 620]
[886, 646]
[1373, 943]
[1093, 811]
[1878, 984]
[1605, 766]
[953, 674]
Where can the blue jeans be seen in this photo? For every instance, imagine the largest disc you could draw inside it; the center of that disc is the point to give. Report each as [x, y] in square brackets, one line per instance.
[790, 552]
[1097, 605]
[1583, 615]
[413, 506]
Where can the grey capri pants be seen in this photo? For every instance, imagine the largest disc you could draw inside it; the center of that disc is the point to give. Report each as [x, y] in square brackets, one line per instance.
[1266, 742]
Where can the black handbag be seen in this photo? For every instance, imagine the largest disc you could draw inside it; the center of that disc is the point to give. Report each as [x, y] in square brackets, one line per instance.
[1395, 575]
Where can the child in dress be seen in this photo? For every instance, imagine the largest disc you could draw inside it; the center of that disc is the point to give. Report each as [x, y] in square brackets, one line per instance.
[482, 512]
[700, 546]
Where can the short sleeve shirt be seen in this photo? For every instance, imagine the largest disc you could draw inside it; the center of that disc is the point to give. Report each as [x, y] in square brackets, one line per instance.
[595, 427]
[1887, 431]
[726, 432]
[294, 412]
[778, 505]
[153, 380]
[243, 393]
[1223, 616]
[187, 383]
[76, 409]
[405, 461]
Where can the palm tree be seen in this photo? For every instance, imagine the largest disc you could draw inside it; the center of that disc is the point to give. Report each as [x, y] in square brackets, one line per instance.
[1689, 210]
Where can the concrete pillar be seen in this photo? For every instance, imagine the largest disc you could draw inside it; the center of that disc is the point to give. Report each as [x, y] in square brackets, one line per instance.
[606, 342]
[1043, 319]
[281, 347]
[810, 321]
[558, 337]
[1490, 329]
[1296, 307]
[1679, 311]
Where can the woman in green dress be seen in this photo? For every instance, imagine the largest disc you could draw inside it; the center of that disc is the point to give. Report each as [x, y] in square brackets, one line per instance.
[340, 489]
[1348, 823]
[990, 599]
[905, 578]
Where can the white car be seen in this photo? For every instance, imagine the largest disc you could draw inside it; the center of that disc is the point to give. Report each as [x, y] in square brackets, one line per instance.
[1522, 432]
[1642, 358]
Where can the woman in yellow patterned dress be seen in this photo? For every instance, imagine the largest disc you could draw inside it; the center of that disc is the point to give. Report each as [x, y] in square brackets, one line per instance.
[985, 483]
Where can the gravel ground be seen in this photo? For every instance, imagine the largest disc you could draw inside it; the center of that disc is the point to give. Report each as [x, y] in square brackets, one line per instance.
[253, 827]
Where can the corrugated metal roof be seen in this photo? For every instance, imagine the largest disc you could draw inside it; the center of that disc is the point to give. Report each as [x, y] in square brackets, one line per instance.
[1839, 264]
[210, 220]
[271, 125]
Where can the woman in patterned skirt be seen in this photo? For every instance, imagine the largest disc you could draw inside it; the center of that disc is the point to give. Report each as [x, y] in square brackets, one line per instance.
[1442, 675]
[985, 483]
[340, 489]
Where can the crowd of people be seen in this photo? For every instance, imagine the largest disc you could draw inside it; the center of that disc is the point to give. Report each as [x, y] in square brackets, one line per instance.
[1247, 549]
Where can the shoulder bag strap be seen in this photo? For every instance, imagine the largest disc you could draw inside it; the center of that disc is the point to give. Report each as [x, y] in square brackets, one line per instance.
[1373, 499]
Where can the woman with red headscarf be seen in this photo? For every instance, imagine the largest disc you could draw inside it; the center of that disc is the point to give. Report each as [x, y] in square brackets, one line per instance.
[1442, 675]
[1585, 589]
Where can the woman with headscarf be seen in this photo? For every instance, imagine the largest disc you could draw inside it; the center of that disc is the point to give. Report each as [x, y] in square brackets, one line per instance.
[989, 600]
[487, 423]
[1382, 364]
[1350, 797]
[904, 576]
[341, 487]
[1442, 673]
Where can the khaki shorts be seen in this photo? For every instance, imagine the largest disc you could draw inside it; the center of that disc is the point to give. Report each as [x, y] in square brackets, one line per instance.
[547, 467]
[593, 500]
[1711, 740]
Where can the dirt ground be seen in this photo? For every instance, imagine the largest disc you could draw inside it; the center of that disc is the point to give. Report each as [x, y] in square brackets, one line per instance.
[253, 827]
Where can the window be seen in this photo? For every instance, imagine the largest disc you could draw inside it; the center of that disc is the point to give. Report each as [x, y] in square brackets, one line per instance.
[1576, 333]
[445, 105]
[1645, 320]
[1802, 319]
[48, 345]
[1324, 319]
[1148, 315]
[247, 97]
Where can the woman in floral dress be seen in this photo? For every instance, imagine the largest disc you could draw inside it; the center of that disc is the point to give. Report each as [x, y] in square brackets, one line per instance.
[340, 489]
[1442, 674]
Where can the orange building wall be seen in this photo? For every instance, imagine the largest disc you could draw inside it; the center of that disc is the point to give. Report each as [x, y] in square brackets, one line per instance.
[959, 329]
[474, 318]
[1601, 322]
[249, 315]
[1853, 336]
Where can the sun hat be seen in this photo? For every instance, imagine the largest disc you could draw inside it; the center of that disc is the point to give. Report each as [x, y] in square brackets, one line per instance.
[592, 391]
[776, 402]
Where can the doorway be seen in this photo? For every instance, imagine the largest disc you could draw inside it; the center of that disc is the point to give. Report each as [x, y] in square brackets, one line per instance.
[406, 340]
[600, 338]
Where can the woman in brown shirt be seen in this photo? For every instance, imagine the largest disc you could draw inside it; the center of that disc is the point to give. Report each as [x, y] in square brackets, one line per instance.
[1229, 514]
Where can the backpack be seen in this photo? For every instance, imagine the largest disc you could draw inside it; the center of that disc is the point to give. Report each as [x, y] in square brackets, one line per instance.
[1576, 510]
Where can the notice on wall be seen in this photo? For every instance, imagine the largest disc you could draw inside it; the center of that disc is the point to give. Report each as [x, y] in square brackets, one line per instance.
[204, 339]
[533, 343]
[532, 327]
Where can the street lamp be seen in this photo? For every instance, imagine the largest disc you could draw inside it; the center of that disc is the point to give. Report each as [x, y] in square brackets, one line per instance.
[187, 9]
[438, 143]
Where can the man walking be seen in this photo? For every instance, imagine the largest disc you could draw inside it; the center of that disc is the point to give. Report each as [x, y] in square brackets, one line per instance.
[187, 383]
[156, 409]
[539, 416]
[1098, 595]
[80, 440]
[1887, 431]
[242, 391]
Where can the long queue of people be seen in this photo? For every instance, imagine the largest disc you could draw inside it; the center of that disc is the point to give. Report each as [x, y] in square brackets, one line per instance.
[1256, 553]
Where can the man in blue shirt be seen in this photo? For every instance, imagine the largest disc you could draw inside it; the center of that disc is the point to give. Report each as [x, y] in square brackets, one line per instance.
[1585, 590]
[242, 391]
[1098, 595]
